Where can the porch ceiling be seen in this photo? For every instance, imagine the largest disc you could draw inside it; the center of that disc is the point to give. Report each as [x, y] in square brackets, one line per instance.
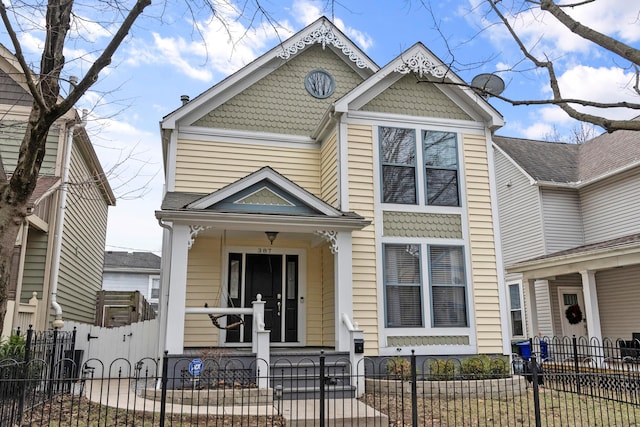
[614, 253]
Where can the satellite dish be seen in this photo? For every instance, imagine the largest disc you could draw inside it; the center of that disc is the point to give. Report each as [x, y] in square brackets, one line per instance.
[487, 85]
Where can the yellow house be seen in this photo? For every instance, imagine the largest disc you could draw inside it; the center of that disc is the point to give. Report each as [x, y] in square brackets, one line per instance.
[344, 196]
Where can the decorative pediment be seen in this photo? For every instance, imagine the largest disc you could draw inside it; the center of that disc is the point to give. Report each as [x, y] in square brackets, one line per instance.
[421, 65]
[264, 196]
[325, 35]
[264, 191]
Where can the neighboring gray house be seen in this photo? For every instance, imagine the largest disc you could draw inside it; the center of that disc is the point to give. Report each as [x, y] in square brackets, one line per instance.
[133, 271]
[570, 233]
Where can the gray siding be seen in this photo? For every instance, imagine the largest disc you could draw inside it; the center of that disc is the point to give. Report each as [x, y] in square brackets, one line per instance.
[82, 245]
[519, 210]
[618, 301]
[34, 265]
[561, 218]
[610, 208]
[11, 134]
[543, 308]
[126, 282]
[11, 93]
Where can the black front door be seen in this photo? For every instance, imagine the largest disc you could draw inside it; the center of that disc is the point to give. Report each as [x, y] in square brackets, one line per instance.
[275, 277]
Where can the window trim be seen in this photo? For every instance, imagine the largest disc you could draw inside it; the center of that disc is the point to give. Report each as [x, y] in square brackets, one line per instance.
[521, 309]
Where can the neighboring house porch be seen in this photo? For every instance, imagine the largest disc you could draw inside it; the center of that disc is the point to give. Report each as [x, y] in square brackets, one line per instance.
[602, 278]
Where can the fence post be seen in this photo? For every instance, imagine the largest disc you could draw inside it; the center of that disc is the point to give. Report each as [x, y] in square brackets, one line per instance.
[163, 385]
[52, 362]
[414, 390]
[536, 390]
[25, 373]
[576, 363]
[322, 381]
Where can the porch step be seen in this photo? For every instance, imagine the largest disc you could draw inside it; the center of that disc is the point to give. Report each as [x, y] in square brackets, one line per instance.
[298, 375]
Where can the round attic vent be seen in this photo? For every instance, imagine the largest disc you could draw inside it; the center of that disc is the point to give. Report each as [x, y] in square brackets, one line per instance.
[320, 84]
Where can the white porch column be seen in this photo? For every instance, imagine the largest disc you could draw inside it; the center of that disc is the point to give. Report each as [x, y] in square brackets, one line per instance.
[592, 314]
[175, 308]
[532, 307]
[343, 265]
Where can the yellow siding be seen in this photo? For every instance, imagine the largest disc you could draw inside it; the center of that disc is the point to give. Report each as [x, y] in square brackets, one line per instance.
[203, 285]
[482, 247]
[328, 294]
[314, 300]
[361, 200]
[208, 166]
[329, 171]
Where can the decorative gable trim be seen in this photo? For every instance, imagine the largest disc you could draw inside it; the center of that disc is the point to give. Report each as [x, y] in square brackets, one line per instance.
[420, 60]
[265, 64]
[326, 36]
[421, 65]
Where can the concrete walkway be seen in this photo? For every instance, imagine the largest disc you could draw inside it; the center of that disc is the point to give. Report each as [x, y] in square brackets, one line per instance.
[343, 412]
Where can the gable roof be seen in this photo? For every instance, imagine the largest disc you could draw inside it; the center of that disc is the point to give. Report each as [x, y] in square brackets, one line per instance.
[542, 161]
[288, 206]
[574, 165]
[322, 32]
[421, 62]
[116, 260]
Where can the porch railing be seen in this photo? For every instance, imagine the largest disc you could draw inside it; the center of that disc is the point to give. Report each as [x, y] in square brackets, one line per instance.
[260, 336]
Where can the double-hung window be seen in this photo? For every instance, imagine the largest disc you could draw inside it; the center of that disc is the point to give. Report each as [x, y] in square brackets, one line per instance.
[515, 306]
[403, 286]
[400, 174]
[398, 154]
[447, 279]
[440, 153]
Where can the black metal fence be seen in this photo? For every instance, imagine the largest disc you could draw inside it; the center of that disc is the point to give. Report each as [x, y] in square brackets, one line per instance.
[218, 389]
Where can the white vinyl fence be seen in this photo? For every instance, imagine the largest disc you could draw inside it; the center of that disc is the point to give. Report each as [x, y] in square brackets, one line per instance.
[132, 342]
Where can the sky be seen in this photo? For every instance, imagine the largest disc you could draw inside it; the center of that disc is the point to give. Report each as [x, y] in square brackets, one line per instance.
[176, 50]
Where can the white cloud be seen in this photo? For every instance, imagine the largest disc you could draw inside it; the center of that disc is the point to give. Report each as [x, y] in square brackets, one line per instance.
[537, 131]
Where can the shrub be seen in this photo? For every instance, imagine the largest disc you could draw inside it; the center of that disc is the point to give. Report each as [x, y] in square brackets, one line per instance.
[484, 367]
[13, 348]
[399, 368]
[442, 370]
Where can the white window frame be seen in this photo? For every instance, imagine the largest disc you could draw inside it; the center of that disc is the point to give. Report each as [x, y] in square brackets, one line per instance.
[149, 298]
[419, 285]
[420, 167]
[521, 309]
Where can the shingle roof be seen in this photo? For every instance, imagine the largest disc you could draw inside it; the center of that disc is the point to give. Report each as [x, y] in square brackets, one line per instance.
[573, 163]
[632, 239]
[543, 161]
[132, 260]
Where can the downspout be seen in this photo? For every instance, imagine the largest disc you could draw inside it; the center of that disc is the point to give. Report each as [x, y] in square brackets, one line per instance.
[165, 274]
[58, 323]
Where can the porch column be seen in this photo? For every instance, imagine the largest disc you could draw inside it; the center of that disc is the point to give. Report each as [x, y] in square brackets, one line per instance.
[532, 308]
[591, 312]
[175, 308]
[343, 269]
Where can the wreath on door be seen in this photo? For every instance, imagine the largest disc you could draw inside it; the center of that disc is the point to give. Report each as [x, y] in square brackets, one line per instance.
[573, 314]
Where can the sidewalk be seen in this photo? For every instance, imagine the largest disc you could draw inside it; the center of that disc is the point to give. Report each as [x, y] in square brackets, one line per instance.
[346, 412]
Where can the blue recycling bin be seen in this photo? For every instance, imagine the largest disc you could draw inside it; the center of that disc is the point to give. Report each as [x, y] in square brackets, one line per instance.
[544, 350]
[524, 349]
